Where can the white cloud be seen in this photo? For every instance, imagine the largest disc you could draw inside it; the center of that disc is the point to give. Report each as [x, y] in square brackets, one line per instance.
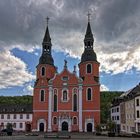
[28, 89]
[119, 62]
[70, 43]
[104, 88]
[13, 71]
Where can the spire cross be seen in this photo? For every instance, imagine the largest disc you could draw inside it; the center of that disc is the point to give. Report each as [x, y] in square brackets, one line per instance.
[47, 19]
[88, 16]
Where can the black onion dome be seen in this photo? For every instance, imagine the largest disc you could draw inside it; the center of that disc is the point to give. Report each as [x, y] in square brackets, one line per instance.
[46, 59]
[88, 55]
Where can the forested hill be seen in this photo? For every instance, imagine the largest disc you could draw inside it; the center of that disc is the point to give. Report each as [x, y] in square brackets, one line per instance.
[16, 99]
[106, 98]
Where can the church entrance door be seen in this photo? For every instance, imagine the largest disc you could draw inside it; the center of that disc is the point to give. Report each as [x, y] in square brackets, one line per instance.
[41, 127]
[89, 127]
[64, 126]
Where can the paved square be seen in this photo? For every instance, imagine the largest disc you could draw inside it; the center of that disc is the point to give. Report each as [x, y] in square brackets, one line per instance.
[79, 136]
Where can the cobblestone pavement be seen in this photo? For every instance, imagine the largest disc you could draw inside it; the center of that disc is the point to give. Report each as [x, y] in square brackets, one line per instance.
[73, 137]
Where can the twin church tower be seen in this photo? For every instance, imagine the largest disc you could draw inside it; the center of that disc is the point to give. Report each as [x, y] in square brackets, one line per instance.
[65, 101]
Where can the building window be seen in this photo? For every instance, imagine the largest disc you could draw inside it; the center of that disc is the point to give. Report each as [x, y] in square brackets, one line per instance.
[2, 124]
[14, 125]
[54, 120]
[112, 110]
[42, 71]
[74, 120]
[89, 67]
[117, 109]
[89, 94]
[42, 95]
[65, 78]
[2, 116]
[21, 116]
[75, 90]
[8, 116]
[55, 103]
[123, 127]
[75, 102]
[137, 102]
[20, 125]
[27, 116]
[65, 94]
[138, 114]
[15, 116]
[118, 117]
[55, 91]
[112, 117]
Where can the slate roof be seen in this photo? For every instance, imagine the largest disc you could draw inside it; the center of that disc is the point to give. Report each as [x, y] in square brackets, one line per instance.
[128, 95]
[14, 108]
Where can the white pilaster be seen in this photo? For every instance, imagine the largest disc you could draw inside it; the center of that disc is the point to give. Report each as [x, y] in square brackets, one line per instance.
[80, 109]
[50, 110]
[69, 123]
[59, 124]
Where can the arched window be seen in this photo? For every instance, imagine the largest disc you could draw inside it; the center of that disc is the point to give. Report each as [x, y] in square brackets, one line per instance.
[75, 90]
[42, 95]
[89, 68]
[65, 94]
[74, 120]
[42, 71]
[89, 94]
[55, 91]
[54, 120]
[74, 102]
[55, 102]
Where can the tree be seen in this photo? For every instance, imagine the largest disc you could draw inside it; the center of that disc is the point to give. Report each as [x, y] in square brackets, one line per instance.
[106, 99]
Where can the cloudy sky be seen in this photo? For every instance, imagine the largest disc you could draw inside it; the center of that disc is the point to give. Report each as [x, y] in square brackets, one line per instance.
[116, 30]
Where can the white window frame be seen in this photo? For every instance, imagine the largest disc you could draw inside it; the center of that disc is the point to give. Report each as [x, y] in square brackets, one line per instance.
[73, 120]
[65, 89]
[87, 70]
[73, 93]
[87, 94]
[57, 98]
[53, 120]
[41, 71]
[40, 95]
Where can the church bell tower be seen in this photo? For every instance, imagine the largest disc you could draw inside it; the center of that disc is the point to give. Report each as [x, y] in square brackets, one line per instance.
[89, 72]
[46, 68]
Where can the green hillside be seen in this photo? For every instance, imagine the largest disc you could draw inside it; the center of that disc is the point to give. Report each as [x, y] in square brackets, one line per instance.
[16, 99]
[106, 98]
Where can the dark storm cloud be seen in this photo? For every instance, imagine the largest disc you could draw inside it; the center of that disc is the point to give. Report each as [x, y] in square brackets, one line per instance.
[24, 21]
[115, 23]
[116, 12]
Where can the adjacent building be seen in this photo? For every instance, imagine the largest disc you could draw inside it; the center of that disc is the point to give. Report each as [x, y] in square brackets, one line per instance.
[129, 111]
[20, 116]
[65, 101]
[137, 112]
[115, 113]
